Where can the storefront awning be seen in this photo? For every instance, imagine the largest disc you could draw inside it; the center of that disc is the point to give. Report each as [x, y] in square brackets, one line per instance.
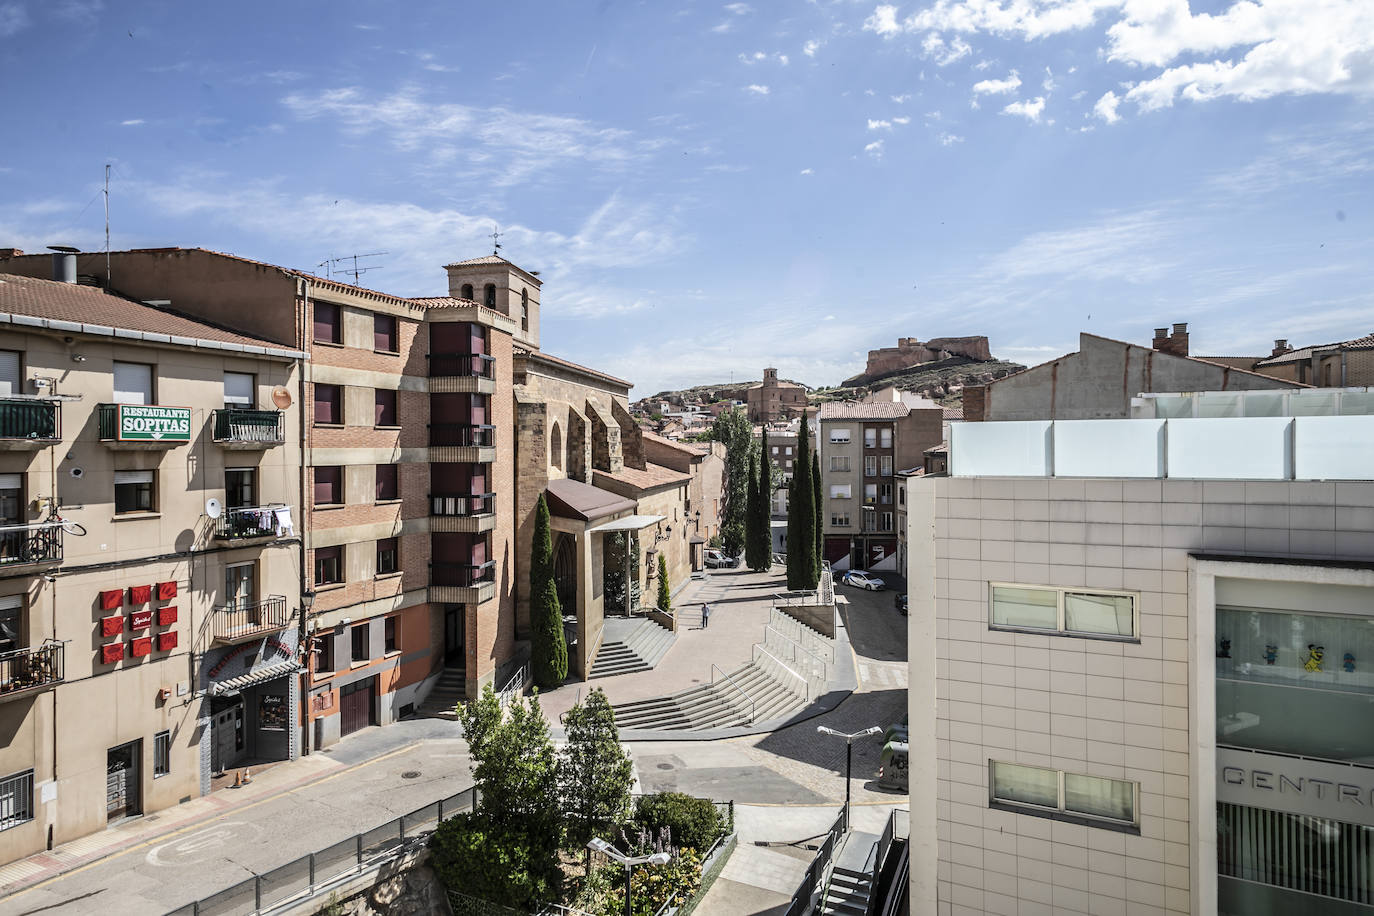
[629, 523]
[233, 685]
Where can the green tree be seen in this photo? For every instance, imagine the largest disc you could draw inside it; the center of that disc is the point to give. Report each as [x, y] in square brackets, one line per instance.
[548, 648]
[801, 517]
[594, 773]
[732, 427]
[820, 506]
[751, 514]
[665, 593]
[506, 849]
[760, 552]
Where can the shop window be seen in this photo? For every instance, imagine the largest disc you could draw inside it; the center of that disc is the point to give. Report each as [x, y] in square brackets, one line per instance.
[384, 338]
[1094, 798]
[133, 383]
[162, 754]
[388, 483]
[134, 491]
[1075, 612]
[328, 326]
[329, 486]
[386, 407]
[328, 565]
[16, 799]
[390, 633]
[328, 405]
[388, 556]
[360, 642]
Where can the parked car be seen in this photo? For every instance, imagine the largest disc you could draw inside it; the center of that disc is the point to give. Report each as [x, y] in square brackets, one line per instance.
[860, 579]
[899, 602]
[718, 559]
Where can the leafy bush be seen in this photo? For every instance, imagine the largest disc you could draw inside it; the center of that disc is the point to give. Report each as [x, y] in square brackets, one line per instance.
[475, 857]
[653, 885]
[692, 823]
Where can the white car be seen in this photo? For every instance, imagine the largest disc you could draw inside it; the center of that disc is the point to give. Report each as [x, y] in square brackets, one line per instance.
[860, 579]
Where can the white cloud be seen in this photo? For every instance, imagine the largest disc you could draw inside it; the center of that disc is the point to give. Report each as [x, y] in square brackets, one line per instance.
[1029, 109]
[1048, 84]
[132, 122]
[738, 9]
[879, 125]
[947, 139]
[723, 27]
[756, 89]
[1117, 247]
[81, 12]
[901, 120]
[806, 171]
[901, 99]
[759, 57]
[883, 21]
[811, 47]
[13, 18]
[944, 53]
[1105, 108]
[998, 87]
[875, 149]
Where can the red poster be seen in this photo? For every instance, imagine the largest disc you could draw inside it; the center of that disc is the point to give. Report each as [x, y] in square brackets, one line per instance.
[112, 600]
[166, 591]
[111, 653]
[166, 641]
[112, 626]
[140, 620]
[166, 616]
[140, 594]
[141, 646]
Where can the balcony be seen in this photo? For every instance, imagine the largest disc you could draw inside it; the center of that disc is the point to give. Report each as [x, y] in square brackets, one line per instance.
[26, 425]
[143, 426]
[464, 512]
[462, 442]
[462, 583]
[249, 620]
[248, 522]
[471, 373]
[25, 671]
[249, 429]
[24, 545]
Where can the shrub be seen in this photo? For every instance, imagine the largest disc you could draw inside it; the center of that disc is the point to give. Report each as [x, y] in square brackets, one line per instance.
[692, 823]
[474, 857]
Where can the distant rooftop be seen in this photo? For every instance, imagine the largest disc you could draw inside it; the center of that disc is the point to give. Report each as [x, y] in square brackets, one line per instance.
[853, 410]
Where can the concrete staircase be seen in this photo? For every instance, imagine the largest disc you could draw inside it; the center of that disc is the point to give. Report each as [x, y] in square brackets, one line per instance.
[445, 694]
[720, 705]
[851, 878]
[630, 646]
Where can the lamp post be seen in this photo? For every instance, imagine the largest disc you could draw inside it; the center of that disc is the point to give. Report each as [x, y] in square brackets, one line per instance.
[659, 858]
[848, 756]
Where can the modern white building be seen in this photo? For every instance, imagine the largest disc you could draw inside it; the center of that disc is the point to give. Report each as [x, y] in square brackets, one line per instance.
[1142, 666]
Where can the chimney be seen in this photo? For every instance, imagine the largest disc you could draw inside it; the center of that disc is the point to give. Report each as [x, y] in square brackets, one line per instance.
[1280, 347]
[1178, 341]
[975, 403]
[1161, 341]
[64, 263]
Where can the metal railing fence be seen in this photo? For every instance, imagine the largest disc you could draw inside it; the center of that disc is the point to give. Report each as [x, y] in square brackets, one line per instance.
[461, 365]
[744, 693]
[812, 882]
[36, 543]
[306, 876]
[234, 621]
[25, 669]
[462, 435]
[239, 425]
[780, 669]
[30, 420]
[801, 658]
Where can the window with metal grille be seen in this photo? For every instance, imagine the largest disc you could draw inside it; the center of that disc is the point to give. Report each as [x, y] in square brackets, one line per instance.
[162, 754]
[16, 800]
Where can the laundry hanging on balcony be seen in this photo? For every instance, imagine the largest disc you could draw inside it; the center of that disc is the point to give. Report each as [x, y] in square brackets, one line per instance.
[283, 519]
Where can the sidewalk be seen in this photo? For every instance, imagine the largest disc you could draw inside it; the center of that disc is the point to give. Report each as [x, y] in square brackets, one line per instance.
[244, 816]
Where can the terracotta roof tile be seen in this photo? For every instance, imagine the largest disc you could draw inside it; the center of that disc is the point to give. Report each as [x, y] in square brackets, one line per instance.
[654, 475]
[853, 410]
[680, 446]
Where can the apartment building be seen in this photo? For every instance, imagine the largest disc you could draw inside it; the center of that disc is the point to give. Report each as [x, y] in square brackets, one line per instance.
[150, 562]
[862, 446]
[1139, 665]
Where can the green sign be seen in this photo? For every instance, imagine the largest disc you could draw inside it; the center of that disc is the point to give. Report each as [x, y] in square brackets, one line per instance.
[138, 422]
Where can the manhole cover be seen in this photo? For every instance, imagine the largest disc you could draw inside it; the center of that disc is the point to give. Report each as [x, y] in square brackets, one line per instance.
[665, 766]
[411, 774]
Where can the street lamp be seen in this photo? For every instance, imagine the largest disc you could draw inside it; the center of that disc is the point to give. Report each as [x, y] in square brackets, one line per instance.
[848, 756]
[659, 858]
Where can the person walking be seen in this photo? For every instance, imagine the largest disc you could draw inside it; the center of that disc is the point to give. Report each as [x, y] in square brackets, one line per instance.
[705, 615]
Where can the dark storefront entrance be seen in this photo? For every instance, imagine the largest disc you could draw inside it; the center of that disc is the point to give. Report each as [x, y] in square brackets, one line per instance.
[226, 731]
[122, 786]
[355, 706]
[454, 629]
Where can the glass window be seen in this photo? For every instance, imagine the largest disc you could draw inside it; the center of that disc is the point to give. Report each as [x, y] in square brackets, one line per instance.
[11, 623]
[887, 465]
[390, 634]
[839, 520]
[388, 556]
[1111, 799]
[11, 373]
[789, 450]
[360, 646]
[870, 437]
[134, 491]
[241, 585]
[1025, 607]
[328, 565]
[839, 435]
[870, 465]
[328, 327]
[324, 654]
[1024, 785]
[886, 523]
[329, 486]
[388, 483]
[386, 407]
[839, 462]
[328, 405]
[886, 438]
[16, 800]
[840, 491]
[133, 383]
[870, 494]
[885, 494]
[1095, 797]
[384, 334]
[162, 754]
[240, 490]
[238, 390]
[1095, 613]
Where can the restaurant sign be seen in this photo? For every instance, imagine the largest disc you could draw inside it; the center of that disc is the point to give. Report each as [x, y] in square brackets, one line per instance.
[146, 423]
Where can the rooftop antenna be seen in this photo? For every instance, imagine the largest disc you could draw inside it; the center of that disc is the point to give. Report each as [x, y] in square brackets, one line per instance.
[354, 269]
[495, 238]
[107, 225]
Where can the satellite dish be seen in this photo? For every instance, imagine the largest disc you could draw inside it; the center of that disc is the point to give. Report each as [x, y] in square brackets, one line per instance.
[281, 396]
[213, 507]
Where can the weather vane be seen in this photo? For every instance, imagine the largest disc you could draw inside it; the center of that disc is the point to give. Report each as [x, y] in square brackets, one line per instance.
[495, 238]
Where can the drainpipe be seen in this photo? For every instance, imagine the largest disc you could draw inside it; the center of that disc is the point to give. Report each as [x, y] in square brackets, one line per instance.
[304, 634]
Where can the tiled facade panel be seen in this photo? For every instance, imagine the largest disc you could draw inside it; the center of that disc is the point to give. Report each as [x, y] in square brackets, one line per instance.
[1090, 706]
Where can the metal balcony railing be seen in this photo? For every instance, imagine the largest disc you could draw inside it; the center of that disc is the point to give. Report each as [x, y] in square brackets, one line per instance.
[35, 666]
[462, 505]
[41, 543]
[462, 435]
[235, 425]
[252, 618]
[29, 420]
[461, 365]
[248, 522]
[462, 575]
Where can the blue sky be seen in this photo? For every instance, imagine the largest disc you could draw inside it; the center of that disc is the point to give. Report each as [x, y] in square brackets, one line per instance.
[710, 188]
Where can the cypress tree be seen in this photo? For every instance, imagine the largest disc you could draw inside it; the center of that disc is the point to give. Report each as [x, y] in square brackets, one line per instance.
[763, 529]
[820, 507]
[548, 649]
[751, 517]
[801, 518]
[665, 594]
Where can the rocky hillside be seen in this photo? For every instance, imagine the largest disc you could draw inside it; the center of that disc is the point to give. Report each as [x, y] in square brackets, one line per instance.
[942, 382]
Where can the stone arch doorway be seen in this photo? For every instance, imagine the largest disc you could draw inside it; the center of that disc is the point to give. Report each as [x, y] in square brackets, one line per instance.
[556, 446]
[565, 572]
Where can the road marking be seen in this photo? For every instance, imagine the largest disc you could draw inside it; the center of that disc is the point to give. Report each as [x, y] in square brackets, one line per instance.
[194, 848]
